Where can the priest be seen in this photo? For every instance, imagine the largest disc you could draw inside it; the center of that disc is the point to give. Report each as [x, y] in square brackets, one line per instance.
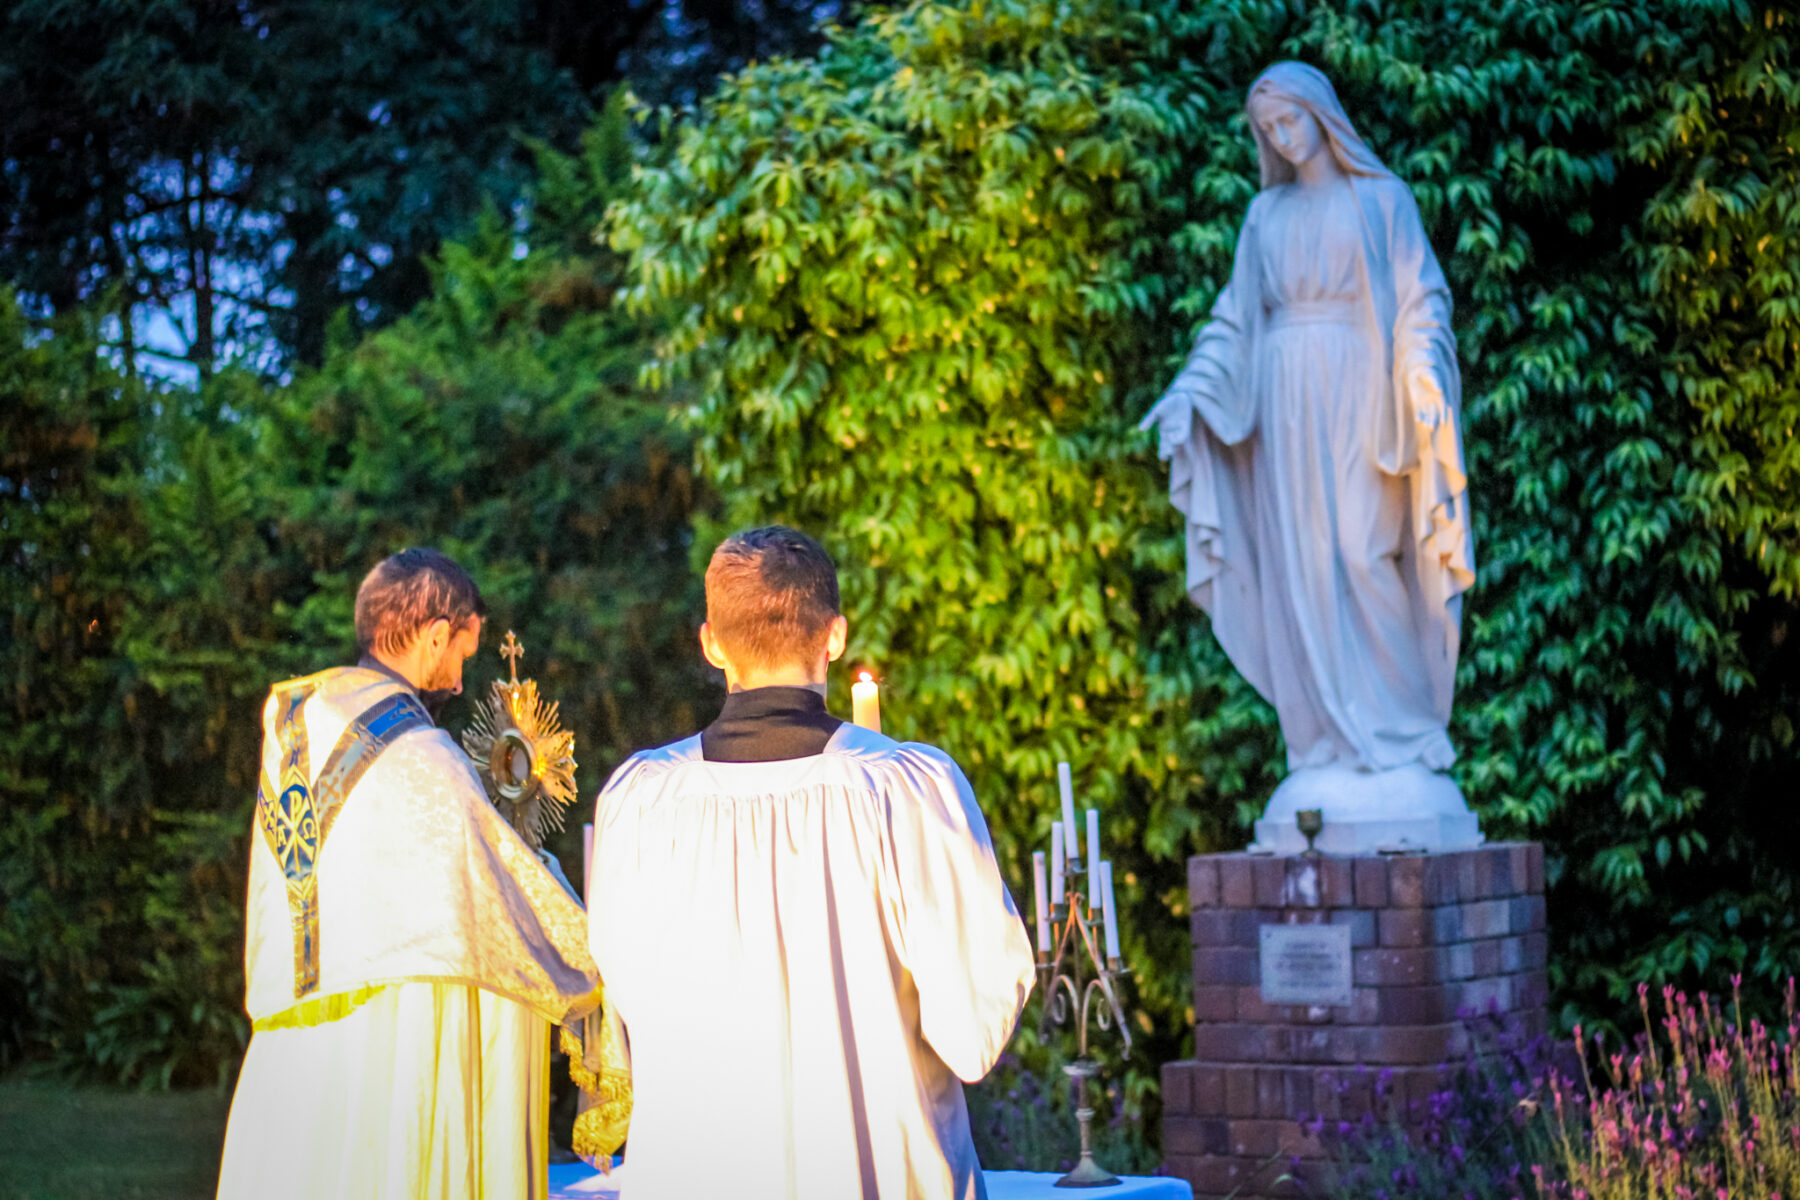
[404, 948]
[801, 924]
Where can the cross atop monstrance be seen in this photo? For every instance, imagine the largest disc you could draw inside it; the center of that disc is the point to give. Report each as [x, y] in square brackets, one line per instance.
[512, 649]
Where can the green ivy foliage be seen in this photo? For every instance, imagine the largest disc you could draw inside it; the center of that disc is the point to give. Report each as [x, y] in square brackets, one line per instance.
[1717, 123]
[920, 276]
[929, 280]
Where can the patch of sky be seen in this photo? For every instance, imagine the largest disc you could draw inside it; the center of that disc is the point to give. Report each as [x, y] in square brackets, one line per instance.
[186, 236]
[521, 228]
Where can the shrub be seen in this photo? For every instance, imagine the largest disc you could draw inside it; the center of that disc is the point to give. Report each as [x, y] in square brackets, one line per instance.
[1710, 1108]
[1701, 1105]
[70, 456]
[1477, 1136]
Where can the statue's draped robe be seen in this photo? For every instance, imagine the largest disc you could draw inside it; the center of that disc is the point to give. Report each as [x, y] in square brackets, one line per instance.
[807, 955]
[404, 951]
[1323, 489]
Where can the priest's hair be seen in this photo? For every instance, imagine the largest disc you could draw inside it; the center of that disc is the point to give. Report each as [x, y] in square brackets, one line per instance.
[771, 595]
[408, 591]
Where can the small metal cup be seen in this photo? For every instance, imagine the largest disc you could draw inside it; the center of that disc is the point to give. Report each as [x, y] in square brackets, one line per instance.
[1309, 821]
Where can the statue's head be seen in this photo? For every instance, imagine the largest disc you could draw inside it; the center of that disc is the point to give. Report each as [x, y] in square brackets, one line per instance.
[1295, 114]
[1286, 127]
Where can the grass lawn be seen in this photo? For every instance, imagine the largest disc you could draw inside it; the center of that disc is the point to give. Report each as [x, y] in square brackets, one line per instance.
[59, 1142]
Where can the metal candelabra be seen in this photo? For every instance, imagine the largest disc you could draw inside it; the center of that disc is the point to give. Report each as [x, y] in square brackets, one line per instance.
[1070, 992]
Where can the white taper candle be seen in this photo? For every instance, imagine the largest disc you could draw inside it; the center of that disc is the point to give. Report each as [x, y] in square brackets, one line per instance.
[1093, 857]
[1111, 910]
[865, 702]
[1043, 908]
[1064, 784]
[1056, 864]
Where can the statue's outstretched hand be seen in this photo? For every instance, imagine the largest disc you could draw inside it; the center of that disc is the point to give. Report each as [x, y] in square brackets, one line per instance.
[1427, 398]
[1173, 420]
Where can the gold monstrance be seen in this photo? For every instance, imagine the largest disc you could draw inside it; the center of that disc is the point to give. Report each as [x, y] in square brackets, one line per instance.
[526, 758]
[527, 763]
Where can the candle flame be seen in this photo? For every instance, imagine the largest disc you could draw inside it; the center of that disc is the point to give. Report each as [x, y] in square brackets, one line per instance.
[867, 678]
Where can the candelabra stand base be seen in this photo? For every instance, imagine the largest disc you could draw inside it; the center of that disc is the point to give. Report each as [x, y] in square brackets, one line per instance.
[1087, 1172]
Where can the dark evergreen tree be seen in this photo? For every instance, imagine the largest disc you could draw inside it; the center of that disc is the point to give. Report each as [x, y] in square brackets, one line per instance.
[673, 51]
[246, 170]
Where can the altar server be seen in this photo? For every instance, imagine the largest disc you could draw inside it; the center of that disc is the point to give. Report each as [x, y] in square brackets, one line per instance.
[801, 924]
[404, 948]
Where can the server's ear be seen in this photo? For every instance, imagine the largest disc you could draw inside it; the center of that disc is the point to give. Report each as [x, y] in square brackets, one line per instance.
[836, 638]
[709, 646]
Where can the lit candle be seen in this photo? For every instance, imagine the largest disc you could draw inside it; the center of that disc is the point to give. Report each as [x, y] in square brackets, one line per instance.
[1056, 864]
[1111, 911]
[1093, 855]
[1064, 784]
[865, 702]
[1043, 909]
[587, 858]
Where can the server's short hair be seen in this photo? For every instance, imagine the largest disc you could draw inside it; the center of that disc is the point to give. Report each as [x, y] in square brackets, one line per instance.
[408, 591]
[771, 595]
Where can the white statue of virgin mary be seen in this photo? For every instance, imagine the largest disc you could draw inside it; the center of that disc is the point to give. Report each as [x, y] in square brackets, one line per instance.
[1315, 456]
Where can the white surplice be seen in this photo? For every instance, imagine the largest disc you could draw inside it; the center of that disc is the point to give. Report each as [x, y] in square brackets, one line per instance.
[807, 955]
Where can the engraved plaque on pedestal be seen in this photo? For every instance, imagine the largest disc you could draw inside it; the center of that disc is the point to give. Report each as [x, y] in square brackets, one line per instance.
[1306, 964]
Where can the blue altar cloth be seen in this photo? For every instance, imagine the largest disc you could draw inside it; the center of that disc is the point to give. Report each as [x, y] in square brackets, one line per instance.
[578, 1181]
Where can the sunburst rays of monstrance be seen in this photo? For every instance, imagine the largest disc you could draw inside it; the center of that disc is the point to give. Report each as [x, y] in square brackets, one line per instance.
[525, 757]
[526, 760]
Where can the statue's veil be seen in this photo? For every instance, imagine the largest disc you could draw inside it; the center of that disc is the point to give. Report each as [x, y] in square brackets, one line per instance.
[1307, 87]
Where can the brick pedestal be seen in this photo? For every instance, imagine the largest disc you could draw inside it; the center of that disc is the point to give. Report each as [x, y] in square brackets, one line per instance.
[1431, 934]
